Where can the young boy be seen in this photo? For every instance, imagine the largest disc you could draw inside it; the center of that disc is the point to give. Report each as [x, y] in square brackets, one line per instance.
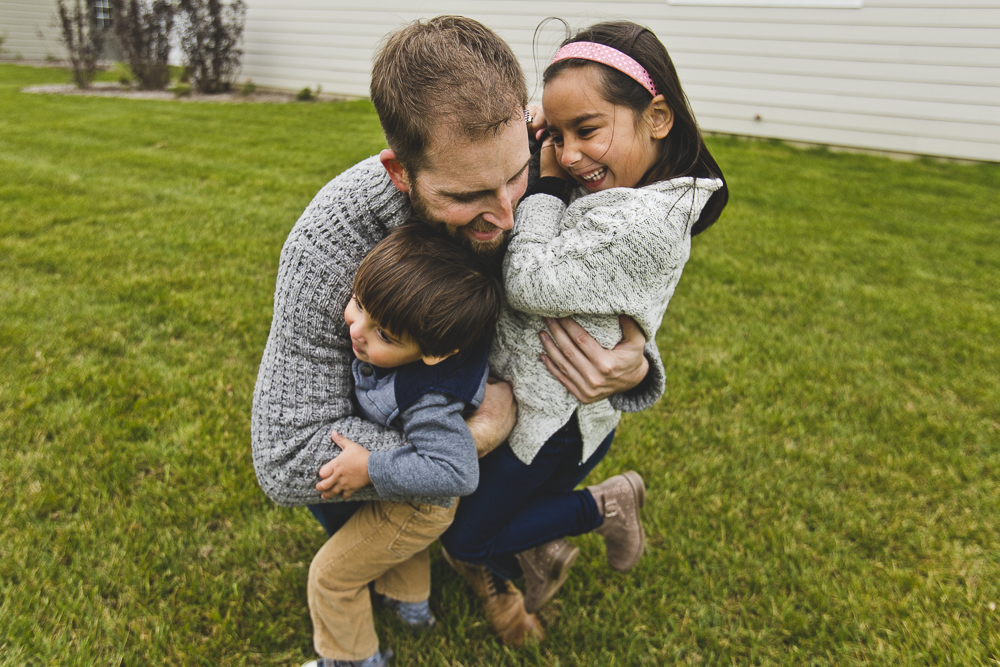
[420, 319]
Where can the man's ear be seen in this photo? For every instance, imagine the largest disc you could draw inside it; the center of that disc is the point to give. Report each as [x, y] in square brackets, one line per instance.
[661, 117]
[431, 361]
[395, 169]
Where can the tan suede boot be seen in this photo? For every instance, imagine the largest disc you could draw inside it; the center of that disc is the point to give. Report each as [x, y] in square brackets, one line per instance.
[619, 499]
[545, 570]
[502, 603]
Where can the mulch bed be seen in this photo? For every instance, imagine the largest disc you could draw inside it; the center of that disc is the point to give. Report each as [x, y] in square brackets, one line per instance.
[109, 89]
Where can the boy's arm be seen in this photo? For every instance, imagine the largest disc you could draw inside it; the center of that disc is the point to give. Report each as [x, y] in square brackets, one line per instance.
[489, 425]
[440, 457]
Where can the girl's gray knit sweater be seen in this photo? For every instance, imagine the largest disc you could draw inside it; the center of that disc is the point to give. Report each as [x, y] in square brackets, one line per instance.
[304, 386]
[616, 252]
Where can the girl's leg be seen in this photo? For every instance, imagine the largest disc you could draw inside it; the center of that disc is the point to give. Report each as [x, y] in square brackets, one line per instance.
[518, 506]
[569, 477]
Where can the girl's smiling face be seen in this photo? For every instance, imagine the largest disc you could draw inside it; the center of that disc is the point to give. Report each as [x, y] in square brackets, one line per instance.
[600, 144]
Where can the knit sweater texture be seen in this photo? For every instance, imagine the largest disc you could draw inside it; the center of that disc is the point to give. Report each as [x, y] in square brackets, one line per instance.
[304, 389]
[616, 252]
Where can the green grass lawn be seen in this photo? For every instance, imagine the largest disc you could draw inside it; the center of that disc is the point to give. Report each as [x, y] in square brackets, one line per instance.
[823, 470]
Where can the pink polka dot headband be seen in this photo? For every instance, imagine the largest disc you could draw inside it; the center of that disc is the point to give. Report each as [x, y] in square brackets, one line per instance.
[610, 56]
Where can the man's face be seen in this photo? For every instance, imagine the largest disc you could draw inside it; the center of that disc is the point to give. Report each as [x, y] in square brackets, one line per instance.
[469, 188]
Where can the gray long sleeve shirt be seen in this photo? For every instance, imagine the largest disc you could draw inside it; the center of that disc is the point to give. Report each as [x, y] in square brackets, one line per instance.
[303, 389]
[439, 458]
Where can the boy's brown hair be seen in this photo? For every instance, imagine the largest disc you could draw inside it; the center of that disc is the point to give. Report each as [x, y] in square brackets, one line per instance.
[447, 71]
[419, 284]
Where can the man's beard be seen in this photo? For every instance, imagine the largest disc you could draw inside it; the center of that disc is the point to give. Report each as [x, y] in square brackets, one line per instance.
[486, 250]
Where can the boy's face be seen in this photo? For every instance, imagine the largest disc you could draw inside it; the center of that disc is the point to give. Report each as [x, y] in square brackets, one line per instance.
[373, 345]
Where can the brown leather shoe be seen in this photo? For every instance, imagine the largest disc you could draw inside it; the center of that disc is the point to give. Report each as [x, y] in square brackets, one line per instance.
[502, 603]
[619, 499]
[545, 570]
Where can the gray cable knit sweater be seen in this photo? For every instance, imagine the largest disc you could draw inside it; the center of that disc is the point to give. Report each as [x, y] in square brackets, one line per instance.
[304, 383]
[620, 251]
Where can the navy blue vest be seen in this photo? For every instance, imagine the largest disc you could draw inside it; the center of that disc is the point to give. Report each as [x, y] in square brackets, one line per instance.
[457, 376]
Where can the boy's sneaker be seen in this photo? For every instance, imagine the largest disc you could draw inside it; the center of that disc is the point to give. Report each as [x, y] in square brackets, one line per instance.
[619, 499]
[502, 603]
[417, 615]
[545, 570]
[380, 659]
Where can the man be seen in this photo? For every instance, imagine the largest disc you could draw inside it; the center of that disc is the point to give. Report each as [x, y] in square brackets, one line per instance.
[451, 97]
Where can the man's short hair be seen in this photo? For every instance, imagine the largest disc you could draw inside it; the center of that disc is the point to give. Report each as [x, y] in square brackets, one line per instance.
[447, 71]
[419, 284]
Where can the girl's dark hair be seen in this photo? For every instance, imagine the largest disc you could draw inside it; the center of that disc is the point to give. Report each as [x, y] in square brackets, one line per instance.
[420, 284]
[683, 151]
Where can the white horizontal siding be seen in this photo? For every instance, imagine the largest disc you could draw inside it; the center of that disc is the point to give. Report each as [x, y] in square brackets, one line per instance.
[918, 76]
[22, 21]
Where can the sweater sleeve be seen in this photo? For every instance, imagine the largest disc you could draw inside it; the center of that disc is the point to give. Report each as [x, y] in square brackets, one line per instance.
[439, 459]
[591, 257]
[647, 392]
[304, 385]
[595, 256]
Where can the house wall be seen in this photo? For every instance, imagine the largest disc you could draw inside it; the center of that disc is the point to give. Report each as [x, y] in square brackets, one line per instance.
[29, 26]
[916, 76]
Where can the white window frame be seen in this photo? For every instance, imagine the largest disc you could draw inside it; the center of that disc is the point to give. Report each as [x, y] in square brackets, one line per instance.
[798, 4]
[102, 13]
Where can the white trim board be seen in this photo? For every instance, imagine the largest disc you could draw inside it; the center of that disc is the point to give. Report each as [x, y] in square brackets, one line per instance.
[805, 4]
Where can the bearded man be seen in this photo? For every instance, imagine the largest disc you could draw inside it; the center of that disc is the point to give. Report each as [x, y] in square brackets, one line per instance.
[451, 98]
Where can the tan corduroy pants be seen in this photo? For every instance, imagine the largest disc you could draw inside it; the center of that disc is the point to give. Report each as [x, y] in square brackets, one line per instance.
[385, 542]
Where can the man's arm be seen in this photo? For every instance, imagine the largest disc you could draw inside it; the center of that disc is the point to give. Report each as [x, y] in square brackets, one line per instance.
[591, 372]
[304, 388]
[494, 420]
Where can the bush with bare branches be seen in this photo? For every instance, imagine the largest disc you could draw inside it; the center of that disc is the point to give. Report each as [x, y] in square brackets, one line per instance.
[211, 33]
[143, 29]
[82, 38]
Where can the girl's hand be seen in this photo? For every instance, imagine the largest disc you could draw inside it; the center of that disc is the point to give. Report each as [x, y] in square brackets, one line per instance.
[536, 128]
[548, 162]
[347, 473]
[586, 369]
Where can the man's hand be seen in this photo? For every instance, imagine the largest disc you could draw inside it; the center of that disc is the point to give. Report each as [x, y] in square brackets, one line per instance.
[347, 473]
[492, 422]
[586, 369]
[536, 127]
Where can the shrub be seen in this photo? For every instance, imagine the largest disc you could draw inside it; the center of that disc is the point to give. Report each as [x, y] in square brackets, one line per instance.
[181, 89]
[82, 39]
[124, 74]
[143, 28]
[248, 88]
[210, 39]
[307, 95]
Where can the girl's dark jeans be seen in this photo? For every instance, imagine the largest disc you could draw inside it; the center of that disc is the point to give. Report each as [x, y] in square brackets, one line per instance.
[518, 506]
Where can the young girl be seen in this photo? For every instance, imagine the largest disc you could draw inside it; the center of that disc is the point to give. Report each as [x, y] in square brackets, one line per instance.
[626, 181]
